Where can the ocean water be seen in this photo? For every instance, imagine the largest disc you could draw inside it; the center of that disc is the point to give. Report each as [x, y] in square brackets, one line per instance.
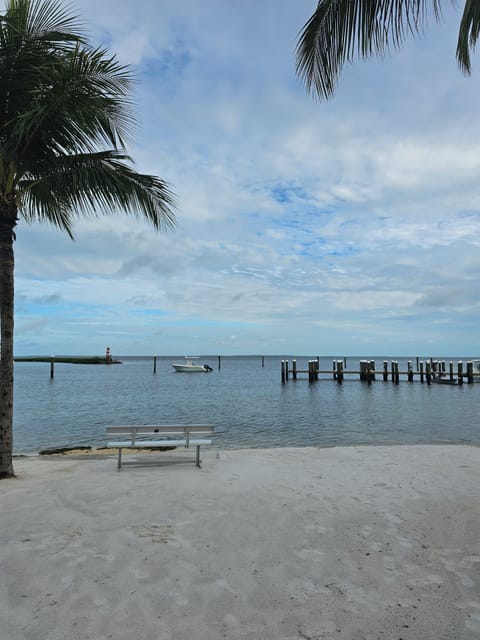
[246, 402]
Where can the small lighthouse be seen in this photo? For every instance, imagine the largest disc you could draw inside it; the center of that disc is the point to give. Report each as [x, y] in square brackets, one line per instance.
[108, 356]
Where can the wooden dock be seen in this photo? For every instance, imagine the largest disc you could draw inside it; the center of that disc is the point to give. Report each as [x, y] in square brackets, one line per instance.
[429, 371]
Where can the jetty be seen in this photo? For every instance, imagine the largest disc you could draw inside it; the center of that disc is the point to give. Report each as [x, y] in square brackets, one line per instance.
[429, 371]
[68, 359]
[107, 359]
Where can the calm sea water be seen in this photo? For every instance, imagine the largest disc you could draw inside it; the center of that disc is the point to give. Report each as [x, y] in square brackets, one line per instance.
[246, 402]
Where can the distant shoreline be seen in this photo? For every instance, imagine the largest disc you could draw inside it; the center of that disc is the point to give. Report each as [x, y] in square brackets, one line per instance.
[69, 359]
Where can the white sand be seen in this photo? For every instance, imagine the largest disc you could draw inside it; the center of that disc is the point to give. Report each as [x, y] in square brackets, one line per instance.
[356, 543]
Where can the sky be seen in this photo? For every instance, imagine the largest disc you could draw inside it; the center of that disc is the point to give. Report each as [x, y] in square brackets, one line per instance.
[347, 227]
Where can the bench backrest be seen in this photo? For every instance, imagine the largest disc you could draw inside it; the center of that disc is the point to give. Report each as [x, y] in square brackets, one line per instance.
[171, 430]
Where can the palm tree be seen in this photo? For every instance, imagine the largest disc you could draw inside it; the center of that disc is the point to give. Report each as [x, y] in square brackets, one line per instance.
[64, 119]
[339, 29]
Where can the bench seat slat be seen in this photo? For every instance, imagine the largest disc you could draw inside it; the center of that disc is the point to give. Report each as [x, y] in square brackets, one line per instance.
[175, 442]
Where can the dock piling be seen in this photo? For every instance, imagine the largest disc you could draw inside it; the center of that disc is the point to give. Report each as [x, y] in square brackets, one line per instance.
[363, 370]
[410, 371]
[397, 375]
[340, 371]
[428, 368]
[470, 378]
[385, 371]
[310, 372]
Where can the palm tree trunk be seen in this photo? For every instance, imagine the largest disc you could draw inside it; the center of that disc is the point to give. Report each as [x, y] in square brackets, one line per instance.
[8, 215]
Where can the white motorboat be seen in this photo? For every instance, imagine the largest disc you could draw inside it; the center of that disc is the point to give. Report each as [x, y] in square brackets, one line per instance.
[190, 366]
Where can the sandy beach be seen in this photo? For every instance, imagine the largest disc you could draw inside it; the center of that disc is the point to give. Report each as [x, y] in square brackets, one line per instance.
[357, 543]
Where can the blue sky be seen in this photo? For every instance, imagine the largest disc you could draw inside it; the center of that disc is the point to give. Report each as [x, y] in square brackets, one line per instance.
[348, 227]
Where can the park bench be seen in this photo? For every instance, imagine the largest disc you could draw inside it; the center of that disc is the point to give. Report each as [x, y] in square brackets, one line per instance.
[160, 437]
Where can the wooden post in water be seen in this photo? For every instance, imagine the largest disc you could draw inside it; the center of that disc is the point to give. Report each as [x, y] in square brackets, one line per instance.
[340, 371]
[310, 371]
[410, 371]
[369, 373]
[429, 371]
[52, 367]
[393, 371]
[219, 362]
[362, 369]
[286, 370]
[470, 378]
[263, 361]
[460, 372]
[385, 370]
[397, 376]
[283, 371]
[450, 369]
[366, 370]
[294, 369]
[154, 364]
[372, 369]
[417, 363]
[334, 369]
[421, 372]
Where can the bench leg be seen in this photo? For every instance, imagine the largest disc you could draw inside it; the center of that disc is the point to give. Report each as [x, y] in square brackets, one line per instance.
[119, 464]
[198, 457]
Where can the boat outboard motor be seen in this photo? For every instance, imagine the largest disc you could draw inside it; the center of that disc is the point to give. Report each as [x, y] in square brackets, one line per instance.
[207, 368]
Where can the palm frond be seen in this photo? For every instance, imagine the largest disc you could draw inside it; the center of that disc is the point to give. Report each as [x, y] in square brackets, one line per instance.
[84, 105]
[339, 30]
[65, 115]
[41, 20]
[53, 22]
[95, 184]
[468, 34]
[30, 45]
